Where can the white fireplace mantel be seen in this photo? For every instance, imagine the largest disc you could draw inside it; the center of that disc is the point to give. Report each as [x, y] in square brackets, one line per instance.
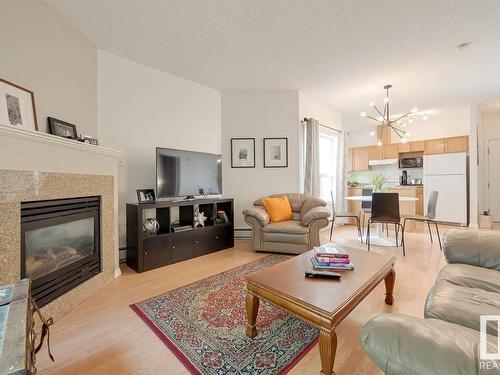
[39, 137]
[25, 150]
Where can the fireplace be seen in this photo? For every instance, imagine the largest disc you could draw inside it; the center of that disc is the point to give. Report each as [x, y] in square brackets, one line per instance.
[60, 244]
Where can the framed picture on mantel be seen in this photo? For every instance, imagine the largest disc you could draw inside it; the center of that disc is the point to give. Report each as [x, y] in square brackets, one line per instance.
[17, 106]
[242, 152]
[275, 152]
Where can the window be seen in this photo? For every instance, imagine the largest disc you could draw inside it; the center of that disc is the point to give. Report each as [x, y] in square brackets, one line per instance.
[328, 163]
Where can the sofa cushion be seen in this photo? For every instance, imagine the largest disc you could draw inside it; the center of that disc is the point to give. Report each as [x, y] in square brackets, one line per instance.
[289, 231]
[278, 208]
[462, 305]
[477, 248]
[406, 345]
[287, 226]
[471, 276]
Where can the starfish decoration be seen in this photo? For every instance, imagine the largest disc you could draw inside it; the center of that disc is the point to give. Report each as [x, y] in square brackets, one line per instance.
[199, 219]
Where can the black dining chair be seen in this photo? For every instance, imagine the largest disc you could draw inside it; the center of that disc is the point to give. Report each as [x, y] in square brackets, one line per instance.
[428, 218]
[366, 208]
[385, 210]
[335, 215]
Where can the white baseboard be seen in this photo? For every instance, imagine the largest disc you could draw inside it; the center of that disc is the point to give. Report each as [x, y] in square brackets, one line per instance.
[118, 273]
[122, 254]
[243, 233]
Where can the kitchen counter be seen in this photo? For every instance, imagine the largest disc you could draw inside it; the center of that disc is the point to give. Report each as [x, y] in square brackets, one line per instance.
[390, 187]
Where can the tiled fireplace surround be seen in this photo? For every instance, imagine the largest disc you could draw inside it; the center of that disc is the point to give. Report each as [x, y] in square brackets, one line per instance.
[22, 186]
[36, 166]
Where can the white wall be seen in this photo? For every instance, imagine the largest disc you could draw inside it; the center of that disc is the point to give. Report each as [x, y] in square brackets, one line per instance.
[259, 114]
[43, 54]
[489, 129]
[318, 109]
[141, 108]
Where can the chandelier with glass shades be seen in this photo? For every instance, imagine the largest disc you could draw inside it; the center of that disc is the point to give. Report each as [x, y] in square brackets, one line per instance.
[397, 124]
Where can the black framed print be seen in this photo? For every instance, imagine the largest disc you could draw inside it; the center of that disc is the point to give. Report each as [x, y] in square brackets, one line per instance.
[275, 152]
[62, 128]
[17, 106]
[145, 196]
[242, 152]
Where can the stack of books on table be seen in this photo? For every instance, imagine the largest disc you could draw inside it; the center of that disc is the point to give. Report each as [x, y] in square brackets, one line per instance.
[330, 257]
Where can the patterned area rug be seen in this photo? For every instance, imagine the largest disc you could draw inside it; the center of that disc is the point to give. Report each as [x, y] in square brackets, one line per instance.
[204, 325]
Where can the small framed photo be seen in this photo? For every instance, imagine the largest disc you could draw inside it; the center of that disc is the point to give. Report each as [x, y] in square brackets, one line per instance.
[90, 140]
[242, 152]
[145, 196]
[275, 152]
[17, 106]
[62, 128]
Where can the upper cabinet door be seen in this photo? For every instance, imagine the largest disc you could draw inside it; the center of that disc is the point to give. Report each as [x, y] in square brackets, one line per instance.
[349, 165]
[434, 146]
[360, 158]
[417, 146]
[374, 152]
[457, 144]
[390, 151]
[404, 147]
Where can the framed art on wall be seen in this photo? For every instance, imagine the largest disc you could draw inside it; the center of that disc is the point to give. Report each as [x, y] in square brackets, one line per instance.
[242, 152]
[17, 106]
[275, 152]
[146, 196]
[62, 128]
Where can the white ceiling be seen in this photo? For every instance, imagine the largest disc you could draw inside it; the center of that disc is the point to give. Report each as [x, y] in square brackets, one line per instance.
[339, 51]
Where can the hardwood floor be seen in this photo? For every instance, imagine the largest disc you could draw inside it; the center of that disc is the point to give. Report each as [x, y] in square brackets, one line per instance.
[104, 336]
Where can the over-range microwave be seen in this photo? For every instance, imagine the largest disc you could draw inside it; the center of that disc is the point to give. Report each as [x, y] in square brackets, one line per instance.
[416, 162]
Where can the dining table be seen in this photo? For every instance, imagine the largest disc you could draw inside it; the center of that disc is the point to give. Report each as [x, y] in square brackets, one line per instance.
[379, 238]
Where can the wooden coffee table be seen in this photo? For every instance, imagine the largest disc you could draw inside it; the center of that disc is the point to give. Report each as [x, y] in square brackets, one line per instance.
[321, 302]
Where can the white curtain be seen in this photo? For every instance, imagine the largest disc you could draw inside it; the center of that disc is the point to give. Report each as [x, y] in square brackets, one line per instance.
[340, 187]
[311, 154]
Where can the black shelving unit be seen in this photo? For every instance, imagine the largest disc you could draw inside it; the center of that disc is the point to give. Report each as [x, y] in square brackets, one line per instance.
[147, 251]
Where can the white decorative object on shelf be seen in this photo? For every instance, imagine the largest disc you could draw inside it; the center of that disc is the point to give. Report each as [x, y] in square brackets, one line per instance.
[199, 219]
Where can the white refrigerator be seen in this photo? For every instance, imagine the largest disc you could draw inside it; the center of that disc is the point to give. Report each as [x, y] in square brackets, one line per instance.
[447, 174]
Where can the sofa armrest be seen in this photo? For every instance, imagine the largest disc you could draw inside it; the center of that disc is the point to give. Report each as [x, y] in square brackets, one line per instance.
[259, 213]
[477, 248]
[406, 345]
[315, 213]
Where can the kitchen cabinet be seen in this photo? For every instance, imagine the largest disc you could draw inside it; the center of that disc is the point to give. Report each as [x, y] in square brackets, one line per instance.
[419, 205]
[404, 147]
[456, 144]
[417, 146]
[390, 151]
[349, 165]
[360, 159]
[434, 146]
[374, 152]
[385, 134]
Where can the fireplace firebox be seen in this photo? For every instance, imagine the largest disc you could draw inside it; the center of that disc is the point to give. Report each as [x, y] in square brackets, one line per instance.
[60, 245]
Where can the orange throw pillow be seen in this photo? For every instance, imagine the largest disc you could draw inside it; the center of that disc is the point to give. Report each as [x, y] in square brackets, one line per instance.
[279, 209]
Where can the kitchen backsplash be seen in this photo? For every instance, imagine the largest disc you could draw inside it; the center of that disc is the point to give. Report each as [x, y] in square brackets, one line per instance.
[391, 172]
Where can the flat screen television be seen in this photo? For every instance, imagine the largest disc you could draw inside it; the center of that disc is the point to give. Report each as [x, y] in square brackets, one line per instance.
[187, 173]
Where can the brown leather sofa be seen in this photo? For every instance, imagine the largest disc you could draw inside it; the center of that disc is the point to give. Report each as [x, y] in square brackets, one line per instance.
[447, 341]
[291, 236]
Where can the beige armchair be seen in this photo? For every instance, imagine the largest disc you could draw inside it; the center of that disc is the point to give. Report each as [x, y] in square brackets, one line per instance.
[291, 236]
